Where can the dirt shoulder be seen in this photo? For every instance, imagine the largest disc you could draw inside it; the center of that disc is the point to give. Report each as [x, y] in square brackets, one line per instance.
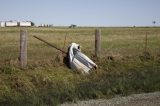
[147, 99]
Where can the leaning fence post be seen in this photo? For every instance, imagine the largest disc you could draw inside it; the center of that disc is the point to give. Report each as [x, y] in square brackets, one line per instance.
[23, 48]
[97, 42]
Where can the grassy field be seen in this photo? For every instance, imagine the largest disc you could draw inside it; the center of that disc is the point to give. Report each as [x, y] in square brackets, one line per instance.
[124, 68]
[115, 41]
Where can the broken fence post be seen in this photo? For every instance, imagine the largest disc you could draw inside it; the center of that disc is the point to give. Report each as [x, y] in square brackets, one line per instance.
[97, 42]
[23, 48]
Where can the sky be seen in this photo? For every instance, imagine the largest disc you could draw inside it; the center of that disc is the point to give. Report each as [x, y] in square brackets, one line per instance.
[82, 12]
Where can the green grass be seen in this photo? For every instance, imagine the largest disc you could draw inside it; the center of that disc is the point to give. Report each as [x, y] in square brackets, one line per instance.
[123, 69]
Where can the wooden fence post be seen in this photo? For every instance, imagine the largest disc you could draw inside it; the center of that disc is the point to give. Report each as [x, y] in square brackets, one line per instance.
[146, 41]
[97, 42]
[23, 48]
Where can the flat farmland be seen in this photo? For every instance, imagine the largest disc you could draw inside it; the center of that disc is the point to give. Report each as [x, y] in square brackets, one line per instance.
[115, 41]
[124, 67]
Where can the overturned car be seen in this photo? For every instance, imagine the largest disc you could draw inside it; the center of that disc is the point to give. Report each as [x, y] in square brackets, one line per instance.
[78, 60]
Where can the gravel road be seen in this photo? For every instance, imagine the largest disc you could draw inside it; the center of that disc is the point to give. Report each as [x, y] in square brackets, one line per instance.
[147, 99]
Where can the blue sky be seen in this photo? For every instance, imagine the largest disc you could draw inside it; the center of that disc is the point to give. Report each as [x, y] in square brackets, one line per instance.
[83, 12]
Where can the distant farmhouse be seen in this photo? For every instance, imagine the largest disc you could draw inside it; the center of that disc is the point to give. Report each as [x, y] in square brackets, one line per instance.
[16, 24]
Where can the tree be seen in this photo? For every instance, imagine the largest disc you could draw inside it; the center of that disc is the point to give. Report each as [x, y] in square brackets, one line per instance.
[32, 23]
[72, 26]
[154, 22]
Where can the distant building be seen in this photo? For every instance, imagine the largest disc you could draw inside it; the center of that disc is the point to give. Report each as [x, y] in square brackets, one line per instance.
[25, 24]
[2, 24]
[44, 25]
[16, 23]
[11, 24]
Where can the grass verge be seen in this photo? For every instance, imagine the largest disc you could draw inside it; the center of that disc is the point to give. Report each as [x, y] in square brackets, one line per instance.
[48, 85]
